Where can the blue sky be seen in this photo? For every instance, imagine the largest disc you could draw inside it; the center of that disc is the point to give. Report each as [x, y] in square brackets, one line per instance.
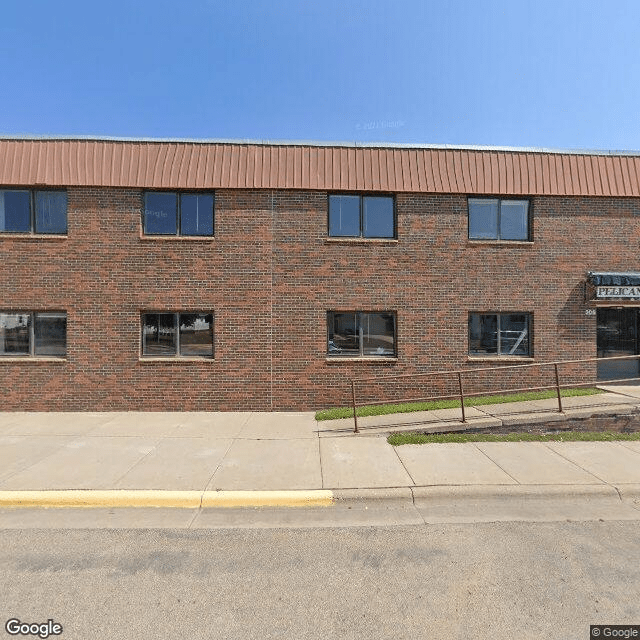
[546, 73]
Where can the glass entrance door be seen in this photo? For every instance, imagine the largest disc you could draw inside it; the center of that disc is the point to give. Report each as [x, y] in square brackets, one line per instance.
[617, 336]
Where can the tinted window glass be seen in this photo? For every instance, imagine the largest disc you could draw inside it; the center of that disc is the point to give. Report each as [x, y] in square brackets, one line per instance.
[14, 334]
[514, 220]
[344, 216]
[378, 334]
[196, 215]
[378, 217]
[160, 213]
[50, 331]
[343, 334]
[159, 334]
[15, 211]
[51, 212]
[514, 334]
[483, 219]
[196, 334]
[483, 334]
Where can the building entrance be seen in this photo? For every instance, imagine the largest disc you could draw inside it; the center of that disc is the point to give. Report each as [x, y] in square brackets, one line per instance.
[617, 336]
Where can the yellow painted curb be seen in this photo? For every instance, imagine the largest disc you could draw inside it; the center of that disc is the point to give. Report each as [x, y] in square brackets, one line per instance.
[168, 499]
[318, 498]
[96, 499]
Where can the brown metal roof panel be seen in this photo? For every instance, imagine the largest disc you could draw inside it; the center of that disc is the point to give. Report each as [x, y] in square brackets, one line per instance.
[174, 164]
[367, 183]
[617, 172]
[604, 176]
[563, 173]
[501, 174]
[519, 169]
[634, 165]
[590, 180]
[460, 172]
[272, 168]
[350, 179]
[420, 170]
[626, 178]
[250, 168]
[437, 173]
[573, 172]
[582, 175]
[513, 169]
[414, 182]
[394, 166]
[313, 167]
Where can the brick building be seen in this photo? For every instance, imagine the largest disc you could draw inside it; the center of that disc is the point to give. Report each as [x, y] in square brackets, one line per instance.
[186, 275]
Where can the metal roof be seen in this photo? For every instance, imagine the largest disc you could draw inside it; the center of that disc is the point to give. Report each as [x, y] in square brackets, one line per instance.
[173, 164]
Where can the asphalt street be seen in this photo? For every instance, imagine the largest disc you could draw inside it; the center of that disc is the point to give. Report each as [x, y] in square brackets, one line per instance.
[495, 580]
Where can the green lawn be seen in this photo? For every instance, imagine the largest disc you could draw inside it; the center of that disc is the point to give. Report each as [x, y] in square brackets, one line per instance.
[383, 409]
[398, 439]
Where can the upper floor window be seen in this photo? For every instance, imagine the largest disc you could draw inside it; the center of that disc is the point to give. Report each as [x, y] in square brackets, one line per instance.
[25, 211]
[177, 334]
[359, 333]
[499, 334]
[25, 333]
[178, 214]
[494, 219]
[355, 216]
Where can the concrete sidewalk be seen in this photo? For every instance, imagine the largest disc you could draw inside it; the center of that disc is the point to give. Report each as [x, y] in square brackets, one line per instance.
[222, 452]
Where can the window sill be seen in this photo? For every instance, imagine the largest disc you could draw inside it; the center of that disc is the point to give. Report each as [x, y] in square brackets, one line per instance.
[31, 360]
[494, 243]
[500, 359]
[367, 359]
[174, 360]
[361, 240]
[151, 238]
[32, 236]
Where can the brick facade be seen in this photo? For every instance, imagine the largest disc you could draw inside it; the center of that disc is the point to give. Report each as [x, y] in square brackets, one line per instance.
[271, 274]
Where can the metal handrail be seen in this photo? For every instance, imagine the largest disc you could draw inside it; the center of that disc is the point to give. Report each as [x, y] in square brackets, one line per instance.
[461, 392]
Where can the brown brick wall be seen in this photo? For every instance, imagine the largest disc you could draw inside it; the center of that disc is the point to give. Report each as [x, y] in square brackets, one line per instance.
[270, 275]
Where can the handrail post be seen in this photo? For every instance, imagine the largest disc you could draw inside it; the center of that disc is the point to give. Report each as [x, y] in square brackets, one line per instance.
[353, 397]
[555, 367]
[461, 395]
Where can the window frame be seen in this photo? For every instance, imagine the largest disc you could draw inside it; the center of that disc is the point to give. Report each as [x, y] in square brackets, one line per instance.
[178, 233]
[32, 337]
[529, 326]
[359, 328]
[500, 200]
[361, 196]
[176, 316]
[33, 196]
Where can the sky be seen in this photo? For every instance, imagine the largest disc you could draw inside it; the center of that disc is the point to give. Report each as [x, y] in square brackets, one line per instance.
[558, 74]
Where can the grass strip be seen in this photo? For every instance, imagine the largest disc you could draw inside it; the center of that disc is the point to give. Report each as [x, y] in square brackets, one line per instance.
[384, 409]
[398, 439]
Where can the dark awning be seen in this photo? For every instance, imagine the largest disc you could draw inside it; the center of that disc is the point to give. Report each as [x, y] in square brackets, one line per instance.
[609, 279]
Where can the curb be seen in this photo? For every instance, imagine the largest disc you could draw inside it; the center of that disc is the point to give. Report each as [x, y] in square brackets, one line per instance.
[524, 492]
[396, 497]
[166, 499]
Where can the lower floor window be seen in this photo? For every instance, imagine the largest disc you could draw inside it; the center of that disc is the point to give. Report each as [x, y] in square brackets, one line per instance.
[177, 334]
[361, 333]
[502, 334]
[33, 334]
